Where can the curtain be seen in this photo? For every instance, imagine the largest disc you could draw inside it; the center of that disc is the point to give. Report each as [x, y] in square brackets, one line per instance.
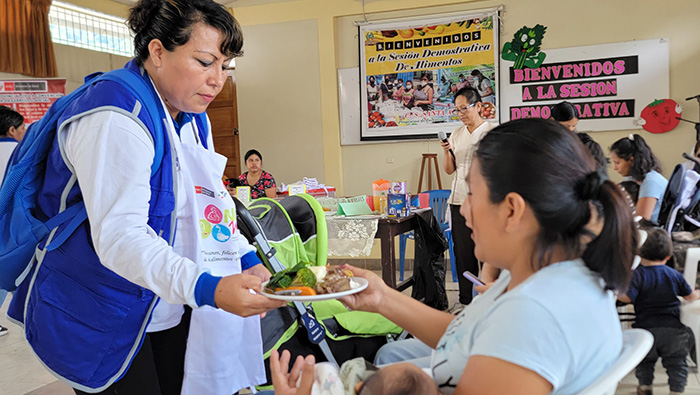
[25, 39]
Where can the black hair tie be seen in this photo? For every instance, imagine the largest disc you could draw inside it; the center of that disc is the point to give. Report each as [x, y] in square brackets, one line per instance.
[590, 186]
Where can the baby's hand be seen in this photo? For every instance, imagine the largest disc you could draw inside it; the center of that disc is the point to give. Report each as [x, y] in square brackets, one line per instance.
[285, 380]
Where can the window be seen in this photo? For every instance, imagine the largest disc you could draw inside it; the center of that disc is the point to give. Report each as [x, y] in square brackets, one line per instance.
[80, 27]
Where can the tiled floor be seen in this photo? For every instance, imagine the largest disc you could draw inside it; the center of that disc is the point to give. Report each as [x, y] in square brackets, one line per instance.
[21, 372]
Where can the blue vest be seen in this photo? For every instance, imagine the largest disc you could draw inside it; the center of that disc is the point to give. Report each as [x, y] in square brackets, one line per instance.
[83, 321]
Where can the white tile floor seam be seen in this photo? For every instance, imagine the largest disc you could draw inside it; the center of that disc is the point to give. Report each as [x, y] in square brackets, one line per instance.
[21, 373]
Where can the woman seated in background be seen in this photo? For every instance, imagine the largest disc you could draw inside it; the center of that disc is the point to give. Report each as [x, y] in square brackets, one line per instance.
[566, 114]
[548, 325]
[633, 160]
[261, 183]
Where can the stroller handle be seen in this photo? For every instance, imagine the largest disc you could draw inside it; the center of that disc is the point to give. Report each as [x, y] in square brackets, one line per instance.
[248, 225]
[693, 159]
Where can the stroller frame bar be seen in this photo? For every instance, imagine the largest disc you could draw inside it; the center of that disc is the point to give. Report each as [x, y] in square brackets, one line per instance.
[253, 228]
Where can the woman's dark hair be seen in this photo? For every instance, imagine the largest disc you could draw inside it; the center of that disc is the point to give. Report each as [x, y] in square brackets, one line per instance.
[469, 93]
[632, 189]
[171, 22]
[564, 111]
[658, 245]
[697, 146]
[477, 73]
[550, 168]
[644, 160]
[250, 153]
[9, 118]
[429, 76]
[595, 150]
[234, 182]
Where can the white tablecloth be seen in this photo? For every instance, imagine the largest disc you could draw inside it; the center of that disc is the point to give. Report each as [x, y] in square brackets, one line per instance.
[351, 236]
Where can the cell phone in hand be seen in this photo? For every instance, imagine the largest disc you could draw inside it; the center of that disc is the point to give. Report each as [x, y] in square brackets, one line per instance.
[471, 277]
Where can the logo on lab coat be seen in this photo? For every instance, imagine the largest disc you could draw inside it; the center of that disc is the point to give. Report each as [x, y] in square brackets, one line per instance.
[220, 225]
[213, 214]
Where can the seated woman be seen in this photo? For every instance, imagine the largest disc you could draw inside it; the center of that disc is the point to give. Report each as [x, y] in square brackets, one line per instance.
[633, 160]
[261, 183]
[548, 324]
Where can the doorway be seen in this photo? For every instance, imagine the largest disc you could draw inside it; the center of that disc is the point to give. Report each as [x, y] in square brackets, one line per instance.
[223, 114]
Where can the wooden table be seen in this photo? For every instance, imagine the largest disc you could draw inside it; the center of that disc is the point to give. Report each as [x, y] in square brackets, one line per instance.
[387, 229]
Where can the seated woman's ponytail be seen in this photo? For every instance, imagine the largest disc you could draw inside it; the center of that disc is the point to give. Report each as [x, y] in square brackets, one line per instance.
[611, 253]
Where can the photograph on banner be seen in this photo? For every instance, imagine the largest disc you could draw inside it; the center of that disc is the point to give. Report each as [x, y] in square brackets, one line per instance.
[31, 97]
[412, 68]
[609, 84]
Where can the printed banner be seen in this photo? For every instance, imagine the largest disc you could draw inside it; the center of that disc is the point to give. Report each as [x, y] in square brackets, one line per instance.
[609, 84]
[410, 70]
[31, 97]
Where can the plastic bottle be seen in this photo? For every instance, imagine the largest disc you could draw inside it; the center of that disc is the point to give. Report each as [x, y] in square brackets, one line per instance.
[380, 189]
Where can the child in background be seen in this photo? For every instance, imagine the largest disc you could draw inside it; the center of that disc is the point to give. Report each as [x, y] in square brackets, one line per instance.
[653, 291]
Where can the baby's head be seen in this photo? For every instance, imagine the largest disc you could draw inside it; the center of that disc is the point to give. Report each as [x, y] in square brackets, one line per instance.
[399, 379]
[658, 246]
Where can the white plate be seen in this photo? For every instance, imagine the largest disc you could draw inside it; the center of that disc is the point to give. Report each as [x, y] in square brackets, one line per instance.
[314, 298]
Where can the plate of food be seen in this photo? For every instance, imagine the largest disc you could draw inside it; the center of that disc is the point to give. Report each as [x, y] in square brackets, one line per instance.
[304, 283]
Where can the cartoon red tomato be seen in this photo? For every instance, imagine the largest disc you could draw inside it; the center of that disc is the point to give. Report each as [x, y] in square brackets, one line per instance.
[660, 116]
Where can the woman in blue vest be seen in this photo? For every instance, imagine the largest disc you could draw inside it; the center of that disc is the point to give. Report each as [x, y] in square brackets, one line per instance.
[106, 312]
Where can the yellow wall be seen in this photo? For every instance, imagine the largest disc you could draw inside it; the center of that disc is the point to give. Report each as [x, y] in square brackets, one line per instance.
[353, 168]
[285, 67]
[570, 23]
[288, 95]
[279, 105]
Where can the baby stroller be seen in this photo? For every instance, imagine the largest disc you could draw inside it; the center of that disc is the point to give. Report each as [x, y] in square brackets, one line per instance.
[292, 231]
[680, 207]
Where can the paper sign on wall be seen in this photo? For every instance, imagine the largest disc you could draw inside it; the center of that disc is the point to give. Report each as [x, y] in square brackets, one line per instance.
[609, 84]
[31, 97]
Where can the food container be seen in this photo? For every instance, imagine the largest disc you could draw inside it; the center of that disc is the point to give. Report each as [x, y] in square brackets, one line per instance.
[380, 188]
[398, 205]
[399, 187]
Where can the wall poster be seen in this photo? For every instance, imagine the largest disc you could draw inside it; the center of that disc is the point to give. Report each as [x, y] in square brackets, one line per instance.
[610, 84]
[31, 97]
[411, 68]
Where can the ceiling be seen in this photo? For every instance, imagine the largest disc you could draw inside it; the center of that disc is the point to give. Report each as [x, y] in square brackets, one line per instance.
[132, 2]
[225, 2]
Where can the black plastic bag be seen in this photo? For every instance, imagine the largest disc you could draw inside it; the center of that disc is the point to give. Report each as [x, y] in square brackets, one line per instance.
[429, 265]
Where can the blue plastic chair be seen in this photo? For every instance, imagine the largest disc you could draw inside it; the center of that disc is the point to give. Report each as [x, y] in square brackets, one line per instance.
[438, 203]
